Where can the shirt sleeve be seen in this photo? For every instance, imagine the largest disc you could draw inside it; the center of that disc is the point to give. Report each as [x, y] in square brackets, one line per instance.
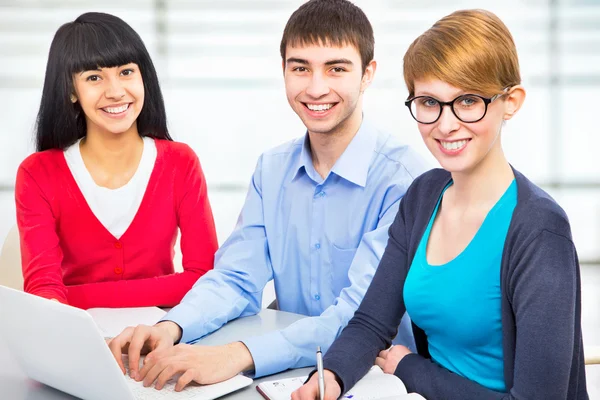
[545, 286]
[242, 269]
[296, 344]
[375, 322]
[41, 255]
[198, 246]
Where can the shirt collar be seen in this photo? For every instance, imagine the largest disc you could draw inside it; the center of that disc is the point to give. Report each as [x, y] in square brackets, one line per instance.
[353, 164]
[304, 161]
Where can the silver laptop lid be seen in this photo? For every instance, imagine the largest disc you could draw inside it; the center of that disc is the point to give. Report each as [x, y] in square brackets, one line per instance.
[60, 346]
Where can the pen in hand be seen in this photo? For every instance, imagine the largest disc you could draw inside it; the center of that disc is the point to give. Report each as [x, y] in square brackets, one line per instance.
[320, 374]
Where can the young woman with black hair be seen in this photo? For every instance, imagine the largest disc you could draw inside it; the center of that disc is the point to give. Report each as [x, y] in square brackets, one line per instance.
[100, 202]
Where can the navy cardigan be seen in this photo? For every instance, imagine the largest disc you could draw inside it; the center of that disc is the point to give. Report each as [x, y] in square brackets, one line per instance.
[541, 305]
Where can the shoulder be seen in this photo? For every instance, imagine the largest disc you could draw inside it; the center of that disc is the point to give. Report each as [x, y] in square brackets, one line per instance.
[42, 172]
[539, 253]
[391, 150]
[42, 162]
[429, 183]
[277, 159]
[537, 211]
[179, 157]
[421, 196]
[288, 148]
[175, 150]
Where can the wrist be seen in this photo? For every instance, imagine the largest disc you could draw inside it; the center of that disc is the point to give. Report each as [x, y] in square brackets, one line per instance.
[241, 356]
[173, 330]
[331, 377]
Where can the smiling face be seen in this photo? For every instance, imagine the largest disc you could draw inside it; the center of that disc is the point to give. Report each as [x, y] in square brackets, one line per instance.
[111, 98]
[459, 146]
[324, 86]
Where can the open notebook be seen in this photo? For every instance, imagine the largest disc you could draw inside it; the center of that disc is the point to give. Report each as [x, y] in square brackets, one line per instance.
[375, 385]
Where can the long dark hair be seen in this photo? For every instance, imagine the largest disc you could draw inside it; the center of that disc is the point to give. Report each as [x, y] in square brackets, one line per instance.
[93, 40]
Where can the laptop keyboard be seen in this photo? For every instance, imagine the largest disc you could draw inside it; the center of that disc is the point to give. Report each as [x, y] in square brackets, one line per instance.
[167, 392]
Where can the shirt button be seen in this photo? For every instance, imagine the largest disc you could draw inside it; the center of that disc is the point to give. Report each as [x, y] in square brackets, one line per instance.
[118, 270]
[317, 246]
[118, 245]
[317, 297]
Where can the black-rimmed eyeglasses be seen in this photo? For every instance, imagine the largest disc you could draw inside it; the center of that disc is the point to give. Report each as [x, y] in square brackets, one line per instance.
[467, 107]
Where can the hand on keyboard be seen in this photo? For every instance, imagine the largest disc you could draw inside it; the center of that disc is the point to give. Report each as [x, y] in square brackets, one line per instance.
[141, 340]
[192, 392]
[202, 364]
[149, 393]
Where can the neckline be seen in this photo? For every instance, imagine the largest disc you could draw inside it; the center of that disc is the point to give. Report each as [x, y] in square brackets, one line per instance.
[149, 189]
[146, 141]
[426, 235]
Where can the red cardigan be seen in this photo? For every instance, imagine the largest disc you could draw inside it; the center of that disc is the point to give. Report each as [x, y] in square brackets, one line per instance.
[67, 254]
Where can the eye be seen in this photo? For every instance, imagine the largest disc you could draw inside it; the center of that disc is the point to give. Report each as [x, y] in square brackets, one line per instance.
[338, 69]
[299, 69]
[127, 72]
[93, 78]
[428, 102]
[468, 101]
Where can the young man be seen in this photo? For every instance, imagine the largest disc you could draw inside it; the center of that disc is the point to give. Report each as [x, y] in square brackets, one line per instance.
[315, 220]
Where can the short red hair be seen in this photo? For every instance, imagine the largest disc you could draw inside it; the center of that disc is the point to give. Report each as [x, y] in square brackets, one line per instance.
[470, 49]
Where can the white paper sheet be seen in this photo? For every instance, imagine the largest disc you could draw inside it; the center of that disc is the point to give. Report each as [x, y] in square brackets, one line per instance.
[113, 321]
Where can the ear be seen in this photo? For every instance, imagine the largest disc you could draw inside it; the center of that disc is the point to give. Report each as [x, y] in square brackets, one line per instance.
[73, 98]
[368, 76]
[513, 101]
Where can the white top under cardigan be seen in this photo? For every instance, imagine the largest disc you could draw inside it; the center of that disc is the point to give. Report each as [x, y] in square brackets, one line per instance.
[114, 208]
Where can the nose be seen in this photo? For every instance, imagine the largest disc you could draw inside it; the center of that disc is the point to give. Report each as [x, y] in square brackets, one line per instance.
[448, 123]
[317, 87]
[114, 89]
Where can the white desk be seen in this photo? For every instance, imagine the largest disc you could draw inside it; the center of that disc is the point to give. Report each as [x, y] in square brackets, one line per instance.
[14, 385]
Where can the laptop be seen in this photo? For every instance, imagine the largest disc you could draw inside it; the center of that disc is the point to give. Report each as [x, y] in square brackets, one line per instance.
[62, 347]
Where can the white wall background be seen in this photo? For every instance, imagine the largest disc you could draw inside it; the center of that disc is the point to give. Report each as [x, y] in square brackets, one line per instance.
[220, 71]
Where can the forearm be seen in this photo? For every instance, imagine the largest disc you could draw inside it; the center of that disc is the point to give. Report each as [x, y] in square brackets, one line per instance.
[354, 353]
[294, 346]
[423, 376]
[50, 292]
[376, 321]
[162, 291]
[43, 278]
[213, 301]
[41, 254]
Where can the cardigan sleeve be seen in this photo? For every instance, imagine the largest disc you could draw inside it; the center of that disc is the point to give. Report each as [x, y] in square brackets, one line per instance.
[198, 246]
[41, 255]
[544, 293]
[376, 321]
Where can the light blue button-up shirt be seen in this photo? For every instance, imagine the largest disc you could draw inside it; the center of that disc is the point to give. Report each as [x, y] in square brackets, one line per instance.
[319, 239]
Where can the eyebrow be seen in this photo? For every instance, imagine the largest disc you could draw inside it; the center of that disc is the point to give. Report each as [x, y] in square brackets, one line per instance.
[88, 70]
[339, 61]
[296, 60]
[329, 62]
[425, 93]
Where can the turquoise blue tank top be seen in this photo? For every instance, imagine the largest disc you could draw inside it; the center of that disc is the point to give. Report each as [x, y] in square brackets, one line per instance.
[457, 304]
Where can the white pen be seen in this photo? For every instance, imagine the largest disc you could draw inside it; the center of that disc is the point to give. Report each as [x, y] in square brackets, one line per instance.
[320, 372]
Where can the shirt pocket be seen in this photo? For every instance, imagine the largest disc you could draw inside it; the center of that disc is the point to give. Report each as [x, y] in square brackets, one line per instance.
[341, 259]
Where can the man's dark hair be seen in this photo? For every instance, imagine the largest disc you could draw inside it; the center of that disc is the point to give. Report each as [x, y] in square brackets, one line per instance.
[333, 23]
